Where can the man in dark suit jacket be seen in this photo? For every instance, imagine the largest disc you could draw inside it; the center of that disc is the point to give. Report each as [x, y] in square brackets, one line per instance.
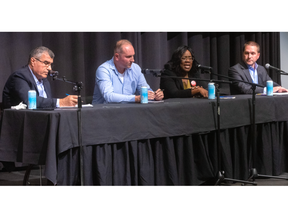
[248, 70]
[34, 77]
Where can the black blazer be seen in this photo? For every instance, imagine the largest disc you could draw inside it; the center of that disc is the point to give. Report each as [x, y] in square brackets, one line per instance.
[240, 71]
[173, 87]
[17, 87]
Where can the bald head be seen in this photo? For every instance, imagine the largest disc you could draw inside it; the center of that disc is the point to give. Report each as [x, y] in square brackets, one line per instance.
[119, 45]
[123, 55]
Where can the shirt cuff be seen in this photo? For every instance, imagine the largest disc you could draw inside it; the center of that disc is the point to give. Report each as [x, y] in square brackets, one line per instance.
[57, 103]
[264, 90]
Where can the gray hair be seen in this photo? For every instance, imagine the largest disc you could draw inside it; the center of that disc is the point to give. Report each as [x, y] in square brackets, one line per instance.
[37, 53]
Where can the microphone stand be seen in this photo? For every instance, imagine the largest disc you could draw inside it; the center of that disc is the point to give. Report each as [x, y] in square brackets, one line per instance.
[253, 172]
[220, 173]
[77, 88]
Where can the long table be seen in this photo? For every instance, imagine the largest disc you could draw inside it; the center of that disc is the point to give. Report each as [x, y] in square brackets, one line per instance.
[168, 143]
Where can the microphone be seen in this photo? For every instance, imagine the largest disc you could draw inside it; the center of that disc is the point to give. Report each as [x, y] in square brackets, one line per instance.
[204, 67]
[151, 71]
[267, 66]
[53, 73]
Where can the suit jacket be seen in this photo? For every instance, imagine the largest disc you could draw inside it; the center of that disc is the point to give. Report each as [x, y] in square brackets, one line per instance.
[173, 87]
[240, 71]
[17, 87]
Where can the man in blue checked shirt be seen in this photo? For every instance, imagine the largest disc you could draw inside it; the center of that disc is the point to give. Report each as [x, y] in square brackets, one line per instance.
[120, 79]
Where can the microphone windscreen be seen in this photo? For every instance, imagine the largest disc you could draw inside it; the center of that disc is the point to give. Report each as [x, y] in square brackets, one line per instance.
[53, 73]
[267, 65]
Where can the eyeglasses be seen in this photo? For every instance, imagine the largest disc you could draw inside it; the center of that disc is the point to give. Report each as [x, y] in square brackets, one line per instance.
[47, 64]
[187, 58]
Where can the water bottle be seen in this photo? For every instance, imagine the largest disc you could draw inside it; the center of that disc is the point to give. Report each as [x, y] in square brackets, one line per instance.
[211, 90]
[32, 99]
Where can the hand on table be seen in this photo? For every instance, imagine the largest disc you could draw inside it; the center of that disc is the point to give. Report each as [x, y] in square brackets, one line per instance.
[70, 100]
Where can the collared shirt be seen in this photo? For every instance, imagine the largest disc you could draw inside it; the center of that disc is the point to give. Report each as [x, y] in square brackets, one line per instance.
[39, 84]
[41, 88]
[253, 73]
[111, 86]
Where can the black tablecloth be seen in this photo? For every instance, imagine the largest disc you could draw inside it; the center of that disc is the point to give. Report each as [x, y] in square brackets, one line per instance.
[173, 142]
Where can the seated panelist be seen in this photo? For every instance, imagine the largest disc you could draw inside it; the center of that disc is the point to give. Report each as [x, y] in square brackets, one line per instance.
[182, 65]
[249, 71]
[34, 77]
[120, 79]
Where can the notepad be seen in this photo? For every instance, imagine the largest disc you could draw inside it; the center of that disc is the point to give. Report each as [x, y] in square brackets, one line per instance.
[278, 93]
[153, 101]
[69, 107]
[227, 97]
[85, 105]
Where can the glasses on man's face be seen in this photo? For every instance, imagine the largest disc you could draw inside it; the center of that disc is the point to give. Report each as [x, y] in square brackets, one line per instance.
[47, 64]
[187, 58]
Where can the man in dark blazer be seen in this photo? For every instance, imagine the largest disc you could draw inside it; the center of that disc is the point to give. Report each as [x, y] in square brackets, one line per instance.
[34, 77]
[248, 70]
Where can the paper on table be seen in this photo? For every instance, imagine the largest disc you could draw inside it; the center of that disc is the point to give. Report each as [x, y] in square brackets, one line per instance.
[20, 106]
[227, 97]
[153, 101]
[278, 93]
[83, 105]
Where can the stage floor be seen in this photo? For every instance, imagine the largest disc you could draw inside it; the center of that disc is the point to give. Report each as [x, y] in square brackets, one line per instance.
[16, 178]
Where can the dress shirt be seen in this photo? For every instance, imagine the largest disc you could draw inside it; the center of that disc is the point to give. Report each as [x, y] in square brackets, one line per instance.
[39, 84]
[253, 73]
[111, 86]
[41, 88]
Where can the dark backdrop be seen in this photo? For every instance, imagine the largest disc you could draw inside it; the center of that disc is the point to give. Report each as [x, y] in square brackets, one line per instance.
[78, 54]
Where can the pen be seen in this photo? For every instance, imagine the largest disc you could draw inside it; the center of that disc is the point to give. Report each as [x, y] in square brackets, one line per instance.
[67, 94]
[161, 90]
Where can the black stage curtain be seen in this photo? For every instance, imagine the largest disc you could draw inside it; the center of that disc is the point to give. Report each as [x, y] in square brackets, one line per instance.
[181, 160]
[78, 54]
